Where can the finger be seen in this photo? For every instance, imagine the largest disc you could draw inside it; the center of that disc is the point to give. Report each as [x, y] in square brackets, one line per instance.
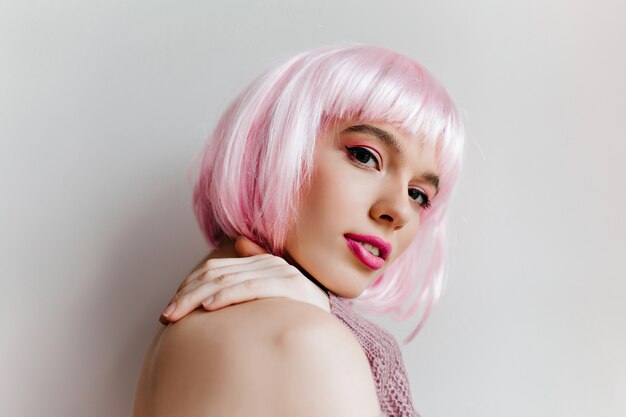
[254, 289]
[196, 280]
[218, 267]
[163, 319]
[192, 296]
[218, 263]
[245, 247]
[293, 286]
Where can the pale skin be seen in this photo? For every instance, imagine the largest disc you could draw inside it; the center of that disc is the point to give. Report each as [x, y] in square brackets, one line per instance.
[283, 353]
[229, 279]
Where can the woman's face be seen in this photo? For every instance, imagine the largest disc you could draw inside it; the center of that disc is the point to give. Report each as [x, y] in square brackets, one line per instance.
[370, 183]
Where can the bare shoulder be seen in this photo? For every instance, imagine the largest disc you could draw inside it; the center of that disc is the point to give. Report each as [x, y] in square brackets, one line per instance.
[285, 357]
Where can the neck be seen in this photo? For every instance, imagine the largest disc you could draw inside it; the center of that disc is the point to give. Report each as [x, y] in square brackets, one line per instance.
[226, 249]
[310, 277]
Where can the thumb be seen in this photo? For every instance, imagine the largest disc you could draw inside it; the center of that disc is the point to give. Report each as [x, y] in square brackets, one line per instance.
[245, 247]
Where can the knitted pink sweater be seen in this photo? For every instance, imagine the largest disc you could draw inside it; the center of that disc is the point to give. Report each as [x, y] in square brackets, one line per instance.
[384, 356]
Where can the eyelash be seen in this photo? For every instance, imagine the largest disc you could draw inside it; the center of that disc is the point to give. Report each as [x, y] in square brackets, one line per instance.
[358, 149]
[426, 204]
[426, 201]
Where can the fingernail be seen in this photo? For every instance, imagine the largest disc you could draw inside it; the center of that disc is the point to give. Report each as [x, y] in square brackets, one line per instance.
[169, 310]
[207, 301]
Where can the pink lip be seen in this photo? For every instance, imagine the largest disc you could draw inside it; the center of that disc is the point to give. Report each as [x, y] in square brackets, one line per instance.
[370, 260]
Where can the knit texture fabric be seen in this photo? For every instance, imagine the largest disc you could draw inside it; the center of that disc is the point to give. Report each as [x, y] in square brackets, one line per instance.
[385, 358]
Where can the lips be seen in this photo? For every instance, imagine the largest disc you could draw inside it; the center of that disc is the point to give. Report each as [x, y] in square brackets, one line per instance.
[355, 243]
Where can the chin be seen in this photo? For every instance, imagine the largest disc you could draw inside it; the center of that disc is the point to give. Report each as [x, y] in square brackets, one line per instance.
[350, 294]
[351, 287]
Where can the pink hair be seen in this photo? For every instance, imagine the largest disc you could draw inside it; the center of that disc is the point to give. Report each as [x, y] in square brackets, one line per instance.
[260, 157]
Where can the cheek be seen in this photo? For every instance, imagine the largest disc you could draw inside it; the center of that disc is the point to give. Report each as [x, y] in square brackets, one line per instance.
[322, 215]
[332, 194]
[405, 239]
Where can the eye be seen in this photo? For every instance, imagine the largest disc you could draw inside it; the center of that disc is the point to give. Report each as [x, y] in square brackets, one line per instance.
[420, 197]
[363, 156]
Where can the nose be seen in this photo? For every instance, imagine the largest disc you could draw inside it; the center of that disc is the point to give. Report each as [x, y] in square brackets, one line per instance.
[392, 208]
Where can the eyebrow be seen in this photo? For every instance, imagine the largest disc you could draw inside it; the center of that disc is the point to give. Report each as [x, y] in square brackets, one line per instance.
[391, 142]
[386, 137]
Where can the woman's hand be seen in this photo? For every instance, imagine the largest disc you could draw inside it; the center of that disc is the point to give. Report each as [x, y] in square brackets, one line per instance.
[220, 282]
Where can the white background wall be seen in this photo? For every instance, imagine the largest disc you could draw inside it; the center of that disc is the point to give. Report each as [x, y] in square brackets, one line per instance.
[103, 104]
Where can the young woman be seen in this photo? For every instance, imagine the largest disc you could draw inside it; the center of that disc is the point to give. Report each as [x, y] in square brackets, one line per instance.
[326, 180]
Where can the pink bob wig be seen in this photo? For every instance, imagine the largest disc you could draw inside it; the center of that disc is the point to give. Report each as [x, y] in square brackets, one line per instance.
[260, 156]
